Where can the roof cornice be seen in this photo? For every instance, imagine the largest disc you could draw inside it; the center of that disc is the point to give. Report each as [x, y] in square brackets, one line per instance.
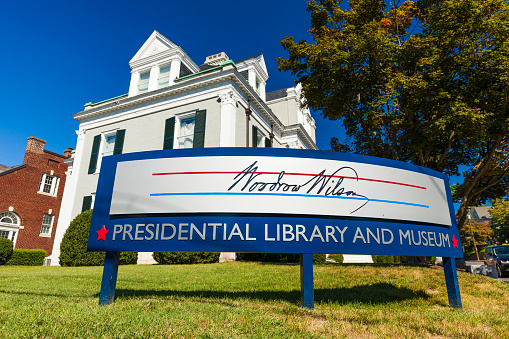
[222, 74]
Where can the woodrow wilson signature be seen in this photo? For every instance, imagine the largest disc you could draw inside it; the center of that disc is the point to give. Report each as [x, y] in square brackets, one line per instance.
[320, 184]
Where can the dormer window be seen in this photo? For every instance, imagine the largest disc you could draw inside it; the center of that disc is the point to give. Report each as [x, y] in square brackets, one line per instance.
[257, 86]
[143, 83]
[164, 77]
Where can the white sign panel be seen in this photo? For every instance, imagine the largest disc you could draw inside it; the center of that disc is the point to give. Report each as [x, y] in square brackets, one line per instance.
[278, 185]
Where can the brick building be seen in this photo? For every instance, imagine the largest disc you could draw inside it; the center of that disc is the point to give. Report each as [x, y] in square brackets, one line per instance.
[31, 195]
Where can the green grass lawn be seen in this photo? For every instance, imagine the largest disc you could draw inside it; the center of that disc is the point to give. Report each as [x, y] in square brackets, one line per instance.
[249, 300]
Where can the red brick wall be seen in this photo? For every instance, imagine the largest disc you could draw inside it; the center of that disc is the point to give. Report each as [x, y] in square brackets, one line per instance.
[19, 190]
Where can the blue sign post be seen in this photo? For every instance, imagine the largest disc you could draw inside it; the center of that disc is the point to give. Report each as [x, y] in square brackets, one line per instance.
[271, 200]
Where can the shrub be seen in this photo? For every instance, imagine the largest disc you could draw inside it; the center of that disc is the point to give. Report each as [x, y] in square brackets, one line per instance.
[337, 258]
[73, 249]
[388, 259]
[27, 257]
[269, 257]
[168, 258]
[319, 258]
[278, 257]
[5, 250]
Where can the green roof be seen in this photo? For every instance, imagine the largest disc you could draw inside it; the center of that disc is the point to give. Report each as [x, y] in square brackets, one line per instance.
[104, 101]
[225, 63]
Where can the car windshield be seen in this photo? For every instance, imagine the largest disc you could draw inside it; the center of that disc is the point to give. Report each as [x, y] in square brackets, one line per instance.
[501, 250]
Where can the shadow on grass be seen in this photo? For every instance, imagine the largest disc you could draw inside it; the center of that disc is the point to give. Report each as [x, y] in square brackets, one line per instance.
[379, 293]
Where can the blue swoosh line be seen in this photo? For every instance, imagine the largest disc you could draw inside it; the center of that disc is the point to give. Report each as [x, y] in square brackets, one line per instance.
[291, 195]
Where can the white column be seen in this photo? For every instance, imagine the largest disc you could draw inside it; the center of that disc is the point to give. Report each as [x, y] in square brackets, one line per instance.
[262, 91]
[252, 78]
[65, 215]
[228, 119]
[174, 70]
[133, 86]
[152, 81]
[227, 139]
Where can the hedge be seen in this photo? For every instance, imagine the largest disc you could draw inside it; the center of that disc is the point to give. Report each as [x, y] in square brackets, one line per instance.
[278, 257]
[5, 250]
[73, 249]
[27, 257]
[337, 258]
[388, 259]
[169, 258]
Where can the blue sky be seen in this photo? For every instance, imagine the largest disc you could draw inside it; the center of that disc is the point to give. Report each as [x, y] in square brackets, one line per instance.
[58, 55]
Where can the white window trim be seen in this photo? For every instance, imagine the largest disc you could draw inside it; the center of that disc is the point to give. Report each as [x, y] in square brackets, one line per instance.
[176, 133]
[101, 146]
[47, 235]
[54, 185]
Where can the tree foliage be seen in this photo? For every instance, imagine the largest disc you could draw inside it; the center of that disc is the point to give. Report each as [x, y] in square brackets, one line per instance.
[424, 82]
[480, 230]
[500, 220]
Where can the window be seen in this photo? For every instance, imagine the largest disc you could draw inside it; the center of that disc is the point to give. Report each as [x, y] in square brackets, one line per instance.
[105, 144]
[257, 85]
[259, 140]
[48, 184]
[87, 203]
[186, 132]
[164, 77]
[107, 147]
[9, 224]
[143, 83]
[47, 222]
[10, 218]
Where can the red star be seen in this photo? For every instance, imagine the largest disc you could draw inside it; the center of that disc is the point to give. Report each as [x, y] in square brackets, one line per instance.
[454, 241]
[101, 234]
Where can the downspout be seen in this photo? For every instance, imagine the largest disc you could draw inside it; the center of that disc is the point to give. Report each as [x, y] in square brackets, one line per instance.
[271, 135]
[248, 114]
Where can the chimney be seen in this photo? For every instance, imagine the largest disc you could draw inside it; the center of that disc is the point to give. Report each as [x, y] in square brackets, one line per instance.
[68, 153]
[34, 146]
[216, 59]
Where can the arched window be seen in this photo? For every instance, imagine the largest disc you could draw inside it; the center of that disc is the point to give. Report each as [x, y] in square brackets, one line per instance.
[9, 225]
[8, 217]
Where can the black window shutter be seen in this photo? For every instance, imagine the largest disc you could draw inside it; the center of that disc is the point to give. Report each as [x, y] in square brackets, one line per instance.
[119, 141]
[267, 142]
[254, 137]
[199, 129]
[169, 131]
[95, 153]
[87, 203]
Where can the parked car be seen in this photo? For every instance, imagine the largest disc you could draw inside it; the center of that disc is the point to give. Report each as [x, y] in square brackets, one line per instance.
[499, 257]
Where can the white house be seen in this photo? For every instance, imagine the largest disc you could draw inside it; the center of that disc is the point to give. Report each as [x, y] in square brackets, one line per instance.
[174, 103]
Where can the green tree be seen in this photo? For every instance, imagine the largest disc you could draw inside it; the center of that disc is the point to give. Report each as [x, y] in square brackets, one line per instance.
[481, 232]
[500, 220]
[424, 82]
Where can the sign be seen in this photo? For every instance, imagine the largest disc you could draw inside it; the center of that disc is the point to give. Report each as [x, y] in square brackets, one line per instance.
[271, 200]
